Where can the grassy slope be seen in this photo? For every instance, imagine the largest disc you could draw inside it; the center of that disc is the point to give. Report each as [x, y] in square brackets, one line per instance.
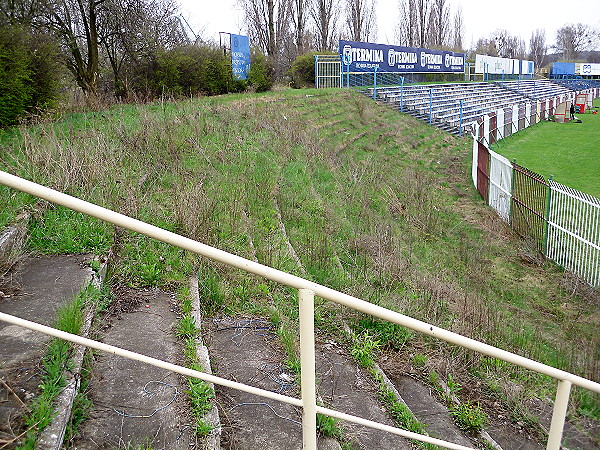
[568, 151]
[373, 203]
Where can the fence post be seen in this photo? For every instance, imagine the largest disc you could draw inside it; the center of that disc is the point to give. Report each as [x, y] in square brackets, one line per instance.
[306, 303]
[347, 75]
[317, 71]
[375, 84]
[559, 414]
[547, 218]
[430, 106]
[461, 118]
[512, 192]
[402, 96]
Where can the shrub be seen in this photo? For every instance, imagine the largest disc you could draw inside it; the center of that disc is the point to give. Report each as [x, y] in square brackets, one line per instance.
[469, 417]
[302, 71]
[186, 70]
[28, 73]
[261, 73]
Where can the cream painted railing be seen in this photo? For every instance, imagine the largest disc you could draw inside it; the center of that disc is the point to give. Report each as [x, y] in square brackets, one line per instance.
[307, 291]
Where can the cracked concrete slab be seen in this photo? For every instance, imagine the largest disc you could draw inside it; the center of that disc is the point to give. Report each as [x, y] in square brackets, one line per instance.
[46, 283]
[43, 284]
[135, 403]
[247, 350]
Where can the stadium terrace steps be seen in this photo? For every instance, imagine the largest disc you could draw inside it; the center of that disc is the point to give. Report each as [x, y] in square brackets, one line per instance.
[440, 104]
[535, 89]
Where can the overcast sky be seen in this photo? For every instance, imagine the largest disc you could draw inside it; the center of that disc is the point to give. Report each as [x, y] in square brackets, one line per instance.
[519, 17]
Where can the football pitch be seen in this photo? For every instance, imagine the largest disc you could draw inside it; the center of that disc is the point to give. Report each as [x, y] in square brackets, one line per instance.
[568, 151]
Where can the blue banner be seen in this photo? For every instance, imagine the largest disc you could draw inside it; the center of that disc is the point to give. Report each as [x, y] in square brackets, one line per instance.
[366, 57]
[240, 56]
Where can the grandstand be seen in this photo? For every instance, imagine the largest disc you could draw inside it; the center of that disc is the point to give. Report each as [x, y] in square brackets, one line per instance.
[454, 107]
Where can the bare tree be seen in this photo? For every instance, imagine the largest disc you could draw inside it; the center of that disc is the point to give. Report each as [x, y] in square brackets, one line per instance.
[423, 23]
[486, 46]
[406, 31]
[360, 19]
[509, 46]
[458, 29]
[300, 18]
[422, 13]
[572, 39]
[132, 29]
[18, 12]
[267, 23]
[75, 22]
[325, 16]
[537, 47]
[439, 24]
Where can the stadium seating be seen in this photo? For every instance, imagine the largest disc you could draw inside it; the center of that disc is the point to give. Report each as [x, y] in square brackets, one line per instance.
[440, 104]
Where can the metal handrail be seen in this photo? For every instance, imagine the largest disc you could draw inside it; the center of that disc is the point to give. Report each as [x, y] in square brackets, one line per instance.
[307, 290]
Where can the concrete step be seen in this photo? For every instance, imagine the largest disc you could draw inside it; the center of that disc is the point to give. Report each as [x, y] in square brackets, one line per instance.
[40, 286]
[135, 403]
[247, 350]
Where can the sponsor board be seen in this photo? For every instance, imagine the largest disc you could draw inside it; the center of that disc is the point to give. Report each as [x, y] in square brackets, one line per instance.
[366, 57]
[240, 56]
[507, 66]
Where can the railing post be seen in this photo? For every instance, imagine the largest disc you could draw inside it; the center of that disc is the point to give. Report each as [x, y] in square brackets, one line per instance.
[375, 84]
[548, 204]
[461, 117]
[559, 414]
[430, 106]
[402, 96]
[306, 302]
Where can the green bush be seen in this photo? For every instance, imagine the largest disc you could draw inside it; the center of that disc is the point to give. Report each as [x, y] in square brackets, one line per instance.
[261, 73]
[302, 71]
[186, 70]
[28, 73]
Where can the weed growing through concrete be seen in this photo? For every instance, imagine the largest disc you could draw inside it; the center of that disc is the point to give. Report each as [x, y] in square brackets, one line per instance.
[401, 415]
[469, 417]
[200, 393]
[364, 350]
[55, 362]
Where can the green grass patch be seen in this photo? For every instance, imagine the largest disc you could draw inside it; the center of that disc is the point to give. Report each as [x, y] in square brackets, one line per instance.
[56, 361]
[64, 231]
[200, 393]
[568, 151]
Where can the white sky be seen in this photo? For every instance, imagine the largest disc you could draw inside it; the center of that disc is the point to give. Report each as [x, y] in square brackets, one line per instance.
[481, 17]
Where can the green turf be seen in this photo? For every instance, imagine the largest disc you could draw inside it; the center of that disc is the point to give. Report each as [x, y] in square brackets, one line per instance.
[568, 151]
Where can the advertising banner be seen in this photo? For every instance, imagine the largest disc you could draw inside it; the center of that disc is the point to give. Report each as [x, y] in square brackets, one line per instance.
[559, 68]
[587, 69]
[507, 66]
[366, 57]
[240, 56]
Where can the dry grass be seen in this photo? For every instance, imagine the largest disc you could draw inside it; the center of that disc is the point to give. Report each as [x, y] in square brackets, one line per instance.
[375, 204]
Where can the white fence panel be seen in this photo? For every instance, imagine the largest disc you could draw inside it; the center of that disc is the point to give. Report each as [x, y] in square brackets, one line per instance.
[500, 185]
[328, 70]
[574, 232]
